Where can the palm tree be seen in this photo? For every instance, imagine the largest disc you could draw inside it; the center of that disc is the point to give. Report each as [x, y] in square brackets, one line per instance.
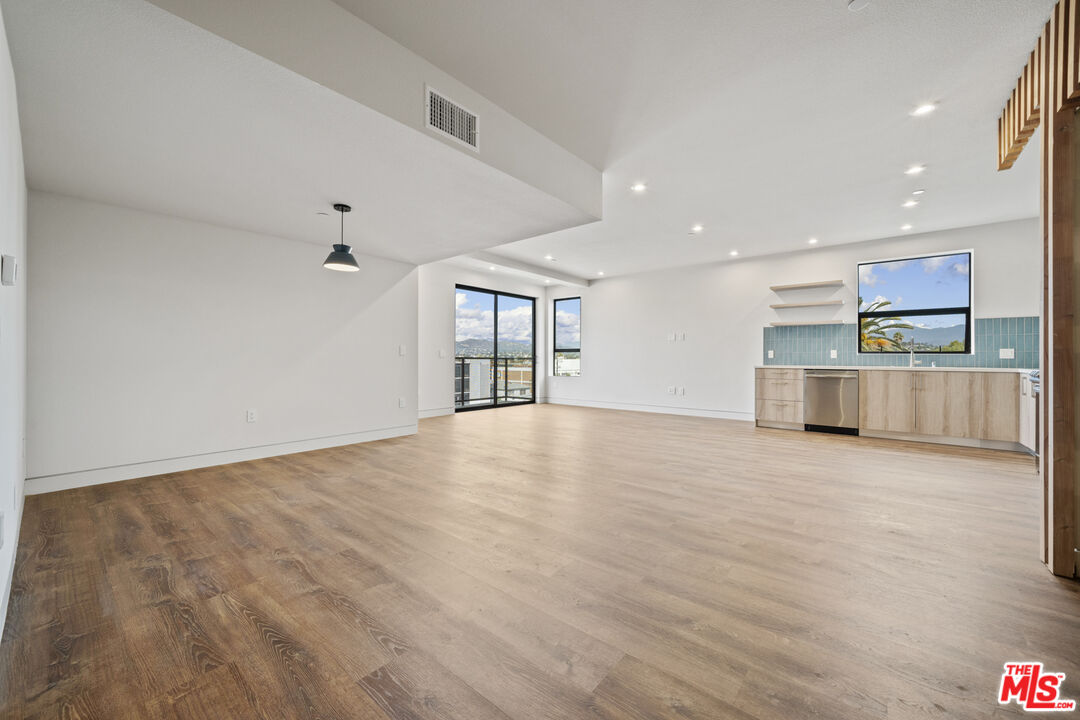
[873, 332]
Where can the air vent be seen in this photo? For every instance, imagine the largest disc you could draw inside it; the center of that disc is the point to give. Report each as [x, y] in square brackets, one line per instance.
[450, 119]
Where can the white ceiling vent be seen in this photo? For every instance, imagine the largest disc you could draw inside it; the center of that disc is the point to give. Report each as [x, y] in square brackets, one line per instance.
[450, 119]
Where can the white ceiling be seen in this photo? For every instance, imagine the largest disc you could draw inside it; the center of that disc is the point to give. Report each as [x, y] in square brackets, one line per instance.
[125, 103]
[768, 122]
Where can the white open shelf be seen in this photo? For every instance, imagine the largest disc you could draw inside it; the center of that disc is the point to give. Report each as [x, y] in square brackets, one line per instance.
[822, 303]
[808, 322]
[807, 286]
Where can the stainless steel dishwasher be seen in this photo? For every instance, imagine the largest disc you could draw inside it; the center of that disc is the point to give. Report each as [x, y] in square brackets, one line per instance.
[831, 401]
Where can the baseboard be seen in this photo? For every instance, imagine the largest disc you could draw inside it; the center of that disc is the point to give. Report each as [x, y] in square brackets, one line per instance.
[435, 412]
[663, 409]
[98, 476]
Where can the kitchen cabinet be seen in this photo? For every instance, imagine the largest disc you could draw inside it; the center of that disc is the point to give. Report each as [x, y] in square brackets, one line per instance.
[778, 396]
[887, 400]
[954, 404]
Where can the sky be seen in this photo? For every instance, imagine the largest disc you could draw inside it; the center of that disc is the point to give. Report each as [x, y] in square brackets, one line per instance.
[475, 319]
[933, 282]
[568, 324]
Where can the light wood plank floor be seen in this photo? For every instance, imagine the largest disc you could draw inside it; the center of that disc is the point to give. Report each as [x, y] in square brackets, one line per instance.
[543, 562]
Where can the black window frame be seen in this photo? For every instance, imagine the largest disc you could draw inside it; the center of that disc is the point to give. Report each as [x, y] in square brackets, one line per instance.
[920, 312]
[555, 349]
[495, 349]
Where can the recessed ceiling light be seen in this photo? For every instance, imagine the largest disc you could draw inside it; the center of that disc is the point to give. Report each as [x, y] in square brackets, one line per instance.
[924, 109]
[549, 258]
[914, 169]
[733, 253]
[857, 5]
[547, 282]
[905, 227]
[812, 241]
[599, 272]
[918, 192]
[911, 203]
[491, 268]
[697, 228]
[639, 187]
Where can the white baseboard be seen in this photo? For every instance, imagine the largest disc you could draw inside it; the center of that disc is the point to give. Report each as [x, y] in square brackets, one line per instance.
[97, 476]
[664, 409]
[435, 412]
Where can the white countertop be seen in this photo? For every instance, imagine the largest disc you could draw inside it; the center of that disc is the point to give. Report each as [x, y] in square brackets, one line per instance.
[891, 367]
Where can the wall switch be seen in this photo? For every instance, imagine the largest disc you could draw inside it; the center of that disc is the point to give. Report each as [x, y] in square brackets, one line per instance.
[682, 390]
[252, 415]
[401, 350]
[671, 389]
[442, 353]
[682, 336]
[832, 354]
[1006, 354]
[771, 354]
[401, 402]
[672, 337]
[8, 270]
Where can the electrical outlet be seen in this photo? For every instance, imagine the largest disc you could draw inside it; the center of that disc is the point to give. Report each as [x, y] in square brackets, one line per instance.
[682, 390]
[671, 389]
[401, 350]
[252, 415]
[442, 353]
[832, 354]
[401, 402]
[771, 354]
[1006, 353]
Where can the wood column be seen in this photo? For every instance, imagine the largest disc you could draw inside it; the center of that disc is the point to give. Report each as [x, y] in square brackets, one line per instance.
[1061, 253]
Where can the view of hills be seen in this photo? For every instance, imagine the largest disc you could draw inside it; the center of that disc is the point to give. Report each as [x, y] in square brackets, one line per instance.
[486, 348]
[930, 339]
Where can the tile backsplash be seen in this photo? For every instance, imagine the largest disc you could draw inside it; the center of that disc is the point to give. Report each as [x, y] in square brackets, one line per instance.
[810, 345]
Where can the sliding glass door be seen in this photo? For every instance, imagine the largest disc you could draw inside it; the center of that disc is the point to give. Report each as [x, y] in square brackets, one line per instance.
[494, 348]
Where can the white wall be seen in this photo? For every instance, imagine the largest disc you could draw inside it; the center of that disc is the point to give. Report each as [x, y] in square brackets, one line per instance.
[627, 360]
[12, 324]
[150, 336]
[436, 329]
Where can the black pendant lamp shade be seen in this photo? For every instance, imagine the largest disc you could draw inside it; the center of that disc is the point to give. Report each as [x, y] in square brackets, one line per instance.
[342, 258]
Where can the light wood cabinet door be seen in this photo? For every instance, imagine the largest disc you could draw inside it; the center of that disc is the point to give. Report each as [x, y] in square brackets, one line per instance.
[995, 406]
[943, 404]
[887, 400]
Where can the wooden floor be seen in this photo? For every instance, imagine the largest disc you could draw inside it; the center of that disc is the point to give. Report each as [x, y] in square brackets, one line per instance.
[543, 562]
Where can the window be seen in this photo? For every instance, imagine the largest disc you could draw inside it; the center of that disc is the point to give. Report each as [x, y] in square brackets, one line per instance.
[921, 304]
[567, 337]
[494, 353]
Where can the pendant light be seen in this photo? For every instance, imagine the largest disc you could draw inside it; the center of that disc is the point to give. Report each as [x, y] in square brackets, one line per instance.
[342, 258]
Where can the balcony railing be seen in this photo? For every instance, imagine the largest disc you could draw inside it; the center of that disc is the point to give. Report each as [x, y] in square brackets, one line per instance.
[492, 381]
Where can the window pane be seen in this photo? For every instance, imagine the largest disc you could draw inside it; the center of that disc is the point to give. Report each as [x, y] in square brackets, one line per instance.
[475, 327]
[568, 364]
[927, 333]
[515, 327]
[568, 324]
[940, 281]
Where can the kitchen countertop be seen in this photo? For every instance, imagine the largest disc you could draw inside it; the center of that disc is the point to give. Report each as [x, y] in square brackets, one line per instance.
[891, 367]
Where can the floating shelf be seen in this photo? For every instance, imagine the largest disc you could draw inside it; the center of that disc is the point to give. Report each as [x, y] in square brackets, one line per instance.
[808, 322]
[823, 303]
[807, 286]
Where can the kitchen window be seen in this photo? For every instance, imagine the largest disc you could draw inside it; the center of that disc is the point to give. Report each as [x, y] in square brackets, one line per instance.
[567, 344]
[920, 304]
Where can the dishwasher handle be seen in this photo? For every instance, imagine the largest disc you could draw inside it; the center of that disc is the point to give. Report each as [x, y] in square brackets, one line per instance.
[836, 374]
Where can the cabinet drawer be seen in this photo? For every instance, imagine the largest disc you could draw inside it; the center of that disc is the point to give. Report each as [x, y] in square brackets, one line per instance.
[786, 411]
[780, 389]
[779, 374]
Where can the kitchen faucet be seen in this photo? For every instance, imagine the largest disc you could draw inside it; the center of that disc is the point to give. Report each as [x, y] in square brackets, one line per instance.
[912, 362]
